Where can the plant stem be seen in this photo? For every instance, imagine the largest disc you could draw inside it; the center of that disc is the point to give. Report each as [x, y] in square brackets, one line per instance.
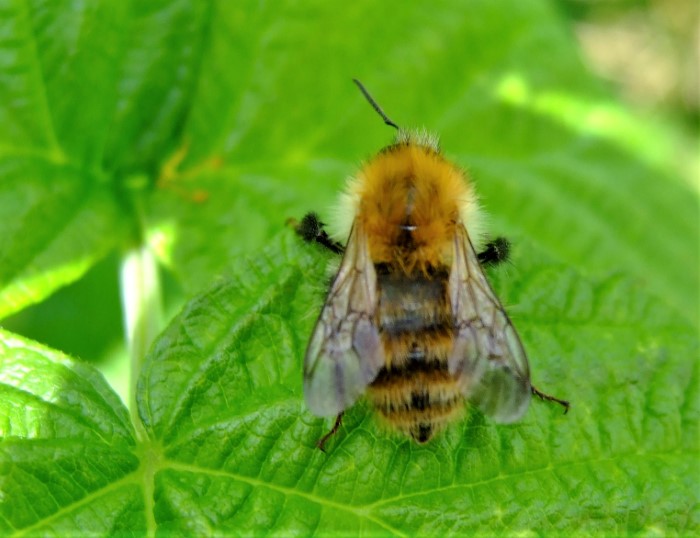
[142, 310]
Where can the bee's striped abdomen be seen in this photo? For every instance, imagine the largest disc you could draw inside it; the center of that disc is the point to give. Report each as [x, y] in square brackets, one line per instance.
[414, 391]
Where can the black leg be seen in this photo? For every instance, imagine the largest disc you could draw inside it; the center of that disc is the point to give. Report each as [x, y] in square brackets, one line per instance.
[547, 398]
[311, 229]
[495, 252]
[338, 421]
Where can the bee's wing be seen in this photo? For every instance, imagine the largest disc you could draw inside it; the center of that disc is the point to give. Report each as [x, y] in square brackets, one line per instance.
[487, 356]
[345, 352]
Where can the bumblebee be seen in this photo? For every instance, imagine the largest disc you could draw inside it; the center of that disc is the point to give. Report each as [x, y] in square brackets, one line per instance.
[410, 320]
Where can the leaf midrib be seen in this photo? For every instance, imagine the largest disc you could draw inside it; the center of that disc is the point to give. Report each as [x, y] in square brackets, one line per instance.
[365, 511]
[131, 478]
[57, 150]
[324, 502]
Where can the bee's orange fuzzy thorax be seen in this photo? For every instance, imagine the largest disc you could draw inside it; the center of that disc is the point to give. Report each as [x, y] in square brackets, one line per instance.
[409, 204]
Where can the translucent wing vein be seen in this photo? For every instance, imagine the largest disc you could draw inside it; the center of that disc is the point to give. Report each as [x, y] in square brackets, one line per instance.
[345, 352]
[487, 356]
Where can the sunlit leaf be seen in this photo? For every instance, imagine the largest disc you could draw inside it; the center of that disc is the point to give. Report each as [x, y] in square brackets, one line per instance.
[202, 127]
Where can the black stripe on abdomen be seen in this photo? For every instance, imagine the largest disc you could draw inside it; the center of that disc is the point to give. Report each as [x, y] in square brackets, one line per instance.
[417, 395]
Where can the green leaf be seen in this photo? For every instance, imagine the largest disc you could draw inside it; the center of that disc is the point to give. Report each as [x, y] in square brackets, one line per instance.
[230, 445]
[93, 101]
[57, 216]
[207, 102]
[554, 158]
[67, 456]
[222, 394]
[54, 225]
[203, 126]
[76, 50]
[161, 50]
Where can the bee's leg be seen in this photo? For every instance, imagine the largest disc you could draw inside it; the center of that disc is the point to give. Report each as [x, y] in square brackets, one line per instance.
[495, 252]
[311, 229]
[547, 398]
[338, 421]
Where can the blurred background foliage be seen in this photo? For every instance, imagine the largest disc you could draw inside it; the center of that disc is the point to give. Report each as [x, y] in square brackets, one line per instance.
[646, 50]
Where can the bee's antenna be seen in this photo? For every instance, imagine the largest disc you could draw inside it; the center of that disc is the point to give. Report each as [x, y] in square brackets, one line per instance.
[374, 104]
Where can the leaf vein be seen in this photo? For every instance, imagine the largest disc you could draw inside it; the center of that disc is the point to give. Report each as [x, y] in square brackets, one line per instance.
[256, 482]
